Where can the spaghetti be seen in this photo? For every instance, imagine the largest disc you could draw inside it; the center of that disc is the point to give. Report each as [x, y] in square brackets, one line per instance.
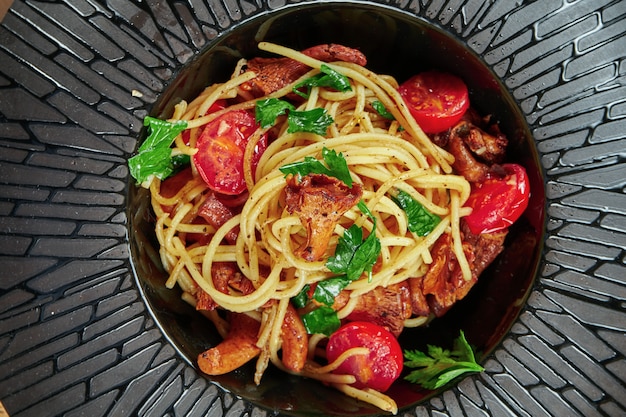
[384, 156]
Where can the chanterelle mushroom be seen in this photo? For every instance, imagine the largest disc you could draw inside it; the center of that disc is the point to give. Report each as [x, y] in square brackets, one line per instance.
[319, 201]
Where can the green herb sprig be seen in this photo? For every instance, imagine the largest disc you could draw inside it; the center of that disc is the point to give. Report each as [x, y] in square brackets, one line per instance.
[439, 366]
[336, 166]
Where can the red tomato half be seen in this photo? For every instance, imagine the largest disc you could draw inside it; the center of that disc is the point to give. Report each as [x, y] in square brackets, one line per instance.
[380, 368]
[499, 201]
[221, 146]
[437, 100]
[217, 106]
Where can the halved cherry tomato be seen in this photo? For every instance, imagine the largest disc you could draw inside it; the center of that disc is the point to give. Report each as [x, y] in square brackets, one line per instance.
[498, 201]
[216, 106]
[377, 370]
[437, 100]
[221, 146]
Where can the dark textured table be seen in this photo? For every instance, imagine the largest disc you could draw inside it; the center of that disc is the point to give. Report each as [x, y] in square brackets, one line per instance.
[77, 78]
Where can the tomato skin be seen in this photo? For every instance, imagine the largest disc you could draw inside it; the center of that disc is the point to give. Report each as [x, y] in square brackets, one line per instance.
[219, 104]
[380, 368]
[437, 100]
[498, 201]
[216, 106]
[221, 148]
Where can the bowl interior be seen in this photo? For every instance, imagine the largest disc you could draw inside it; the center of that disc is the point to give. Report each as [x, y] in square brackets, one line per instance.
[395, 43]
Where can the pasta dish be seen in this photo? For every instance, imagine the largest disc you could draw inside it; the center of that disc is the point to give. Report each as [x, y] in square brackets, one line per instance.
[303, 194]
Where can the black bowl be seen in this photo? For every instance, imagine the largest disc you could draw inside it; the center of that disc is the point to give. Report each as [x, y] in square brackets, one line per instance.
[395, 43]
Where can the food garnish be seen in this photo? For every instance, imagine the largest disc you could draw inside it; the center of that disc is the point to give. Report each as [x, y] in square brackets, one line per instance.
[315, 120]
[267, 110]
[154, 157]
[327, 77]
[439, 366]
[421, 221]
[336, 166]
[382, 110]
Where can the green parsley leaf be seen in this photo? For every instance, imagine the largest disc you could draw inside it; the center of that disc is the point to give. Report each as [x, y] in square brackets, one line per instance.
[336, 167]
[421, 221]
[441, 366]
[365, 257]
[309, 165]
[315, 121]
[266, 111]
[365, 210]
[154, 156]
[382, 110]
[327, 77]
[180, 161]
[353, 255]
[326, 291]
[345, 250]
[368, 253]
[302, 298]
[322, 320]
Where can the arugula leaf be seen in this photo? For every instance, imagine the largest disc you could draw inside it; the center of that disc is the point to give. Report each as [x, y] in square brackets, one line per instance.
[322, 320]
[440, 366]
[266, 111]
[327, 77]
[421, 221]
[382, 110]
[154, 156]
[337, 166]
[315, 121]
[353, 255]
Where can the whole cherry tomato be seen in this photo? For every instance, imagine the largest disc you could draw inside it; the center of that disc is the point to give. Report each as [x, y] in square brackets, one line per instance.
[437, 100]
[498, 201]
[377, 370]
[221, 147]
